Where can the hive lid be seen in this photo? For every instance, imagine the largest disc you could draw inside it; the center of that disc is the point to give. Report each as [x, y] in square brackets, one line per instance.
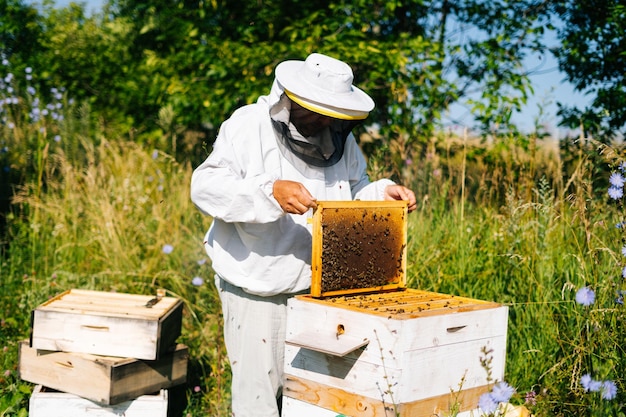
[358, 246]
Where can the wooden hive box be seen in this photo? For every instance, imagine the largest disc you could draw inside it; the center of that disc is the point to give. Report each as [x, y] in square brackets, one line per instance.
[103, 379]
[107, 323]
[45, 402]
[382, 349]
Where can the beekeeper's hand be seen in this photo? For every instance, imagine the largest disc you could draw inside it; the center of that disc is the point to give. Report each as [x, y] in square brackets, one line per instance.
[293, 197]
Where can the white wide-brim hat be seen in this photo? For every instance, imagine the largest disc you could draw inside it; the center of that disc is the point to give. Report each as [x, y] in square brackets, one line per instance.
[324, 85]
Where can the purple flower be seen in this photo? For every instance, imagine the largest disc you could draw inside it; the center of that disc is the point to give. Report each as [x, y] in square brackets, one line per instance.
[487, 403]
[616, 193]
[585, 381]
[167, 248]
[585, 296]
[531, 398]
[197, 281]
[502, 392]
[617, 180]
[624, 272]
[608, 390]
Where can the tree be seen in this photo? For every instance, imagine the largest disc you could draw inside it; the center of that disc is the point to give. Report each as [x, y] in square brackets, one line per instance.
[415, 57]
[593, 55]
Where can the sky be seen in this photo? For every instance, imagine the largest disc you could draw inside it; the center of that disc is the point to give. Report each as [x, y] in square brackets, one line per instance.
[547, 81]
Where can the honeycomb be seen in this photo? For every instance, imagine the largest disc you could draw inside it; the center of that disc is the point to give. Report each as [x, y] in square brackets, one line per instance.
[362, 247]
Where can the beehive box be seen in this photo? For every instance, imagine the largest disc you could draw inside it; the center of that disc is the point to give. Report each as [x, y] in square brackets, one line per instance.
[45, 402]
[103, 379]
[381, 349]
[107, 323]
[402, 353]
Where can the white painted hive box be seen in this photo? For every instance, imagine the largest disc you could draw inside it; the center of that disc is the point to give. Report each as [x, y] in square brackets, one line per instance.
[103, 379]
[107, 323]
[45, 402]
[399, 353]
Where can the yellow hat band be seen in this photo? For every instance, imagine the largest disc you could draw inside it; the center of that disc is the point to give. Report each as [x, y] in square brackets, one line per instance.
[342, 114]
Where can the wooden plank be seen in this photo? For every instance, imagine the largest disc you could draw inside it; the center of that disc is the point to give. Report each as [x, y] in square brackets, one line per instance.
[109, 304]
[49, 403]
[337, 344]
[106, 380]
[351, 404]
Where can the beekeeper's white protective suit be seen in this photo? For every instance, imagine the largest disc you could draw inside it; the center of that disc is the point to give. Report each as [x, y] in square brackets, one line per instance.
[262, 255]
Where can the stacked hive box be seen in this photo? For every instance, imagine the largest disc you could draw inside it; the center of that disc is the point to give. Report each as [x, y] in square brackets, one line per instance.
[101, 354]
[362, 344]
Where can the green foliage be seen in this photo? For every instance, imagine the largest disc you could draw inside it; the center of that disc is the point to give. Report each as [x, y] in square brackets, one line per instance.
[593, 55]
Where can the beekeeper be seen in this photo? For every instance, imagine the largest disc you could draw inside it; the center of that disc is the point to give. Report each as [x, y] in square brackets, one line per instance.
[271, 161]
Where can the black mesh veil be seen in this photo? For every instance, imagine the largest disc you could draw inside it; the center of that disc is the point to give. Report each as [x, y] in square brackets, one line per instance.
[313, 153]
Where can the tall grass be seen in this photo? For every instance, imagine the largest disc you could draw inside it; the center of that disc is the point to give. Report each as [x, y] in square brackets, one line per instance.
[496, 222]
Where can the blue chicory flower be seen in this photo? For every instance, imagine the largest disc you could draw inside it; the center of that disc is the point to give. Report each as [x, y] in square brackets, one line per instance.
[608, 390]
[197, 281]
[595, 386]
[167, 248]
[585, 296]
[616, 193]
[617, 180]
[487, 403]
[502, 392]
[585, 381]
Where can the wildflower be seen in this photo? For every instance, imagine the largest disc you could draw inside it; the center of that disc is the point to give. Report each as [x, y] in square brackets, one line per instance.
[5, 62]
[201, 261]
[531, 398]
[624, 272]
[585, 381]
[155, 154]
[31, 90]
[502, 392]
[487, 403]
[197, 281]
[622, 167]
[595, 386]
[585, 296]
[57, 138]
[7, 373]
[617, 180]
[196, 388]
[167, 248]
[408, 161]
[616, 193]
[28, 70]
[608, 390]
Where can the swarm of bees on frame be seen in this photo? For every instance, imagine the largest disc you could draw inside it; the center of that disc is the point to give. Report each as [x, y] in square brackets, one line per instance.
[361, 248]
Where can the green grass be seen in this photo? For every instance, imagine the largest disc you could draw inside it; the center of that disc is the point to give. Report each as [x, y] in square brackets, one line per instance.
[96, 214]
